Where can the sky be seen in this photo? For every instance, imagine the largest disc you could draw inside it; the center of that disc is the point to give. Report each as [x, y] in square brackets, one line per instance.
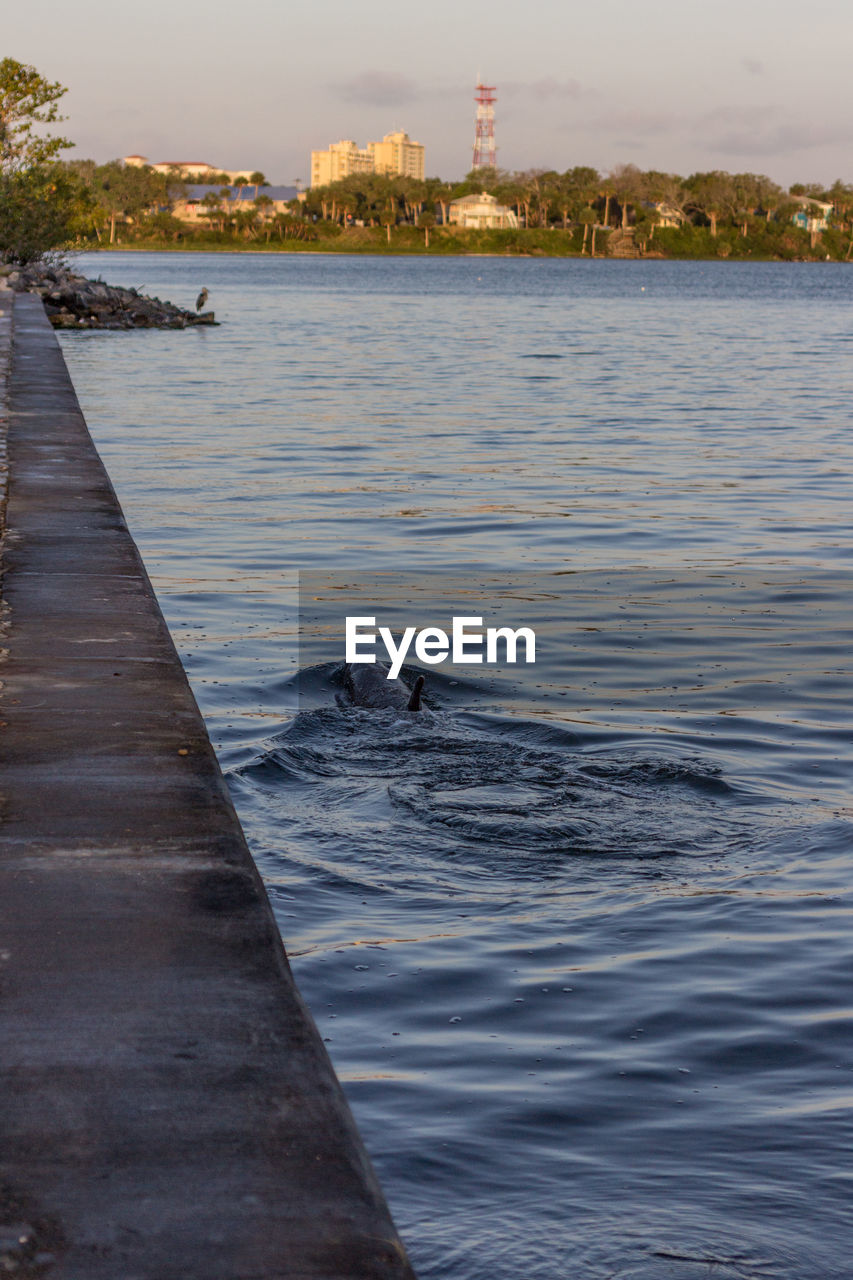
[744, 85]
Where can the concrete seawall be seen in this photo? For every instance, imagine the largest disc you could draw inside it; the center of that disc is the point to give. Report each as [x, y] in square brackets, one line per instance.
[167, 1108]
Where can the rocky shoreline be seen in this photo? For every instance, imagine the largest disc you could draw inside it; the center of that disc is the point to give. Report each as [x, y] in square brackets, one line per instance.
[74, 302]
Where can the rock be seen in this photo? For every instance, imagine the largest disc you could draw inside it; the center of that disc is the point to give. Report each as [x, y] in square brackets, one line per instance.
[73, 302]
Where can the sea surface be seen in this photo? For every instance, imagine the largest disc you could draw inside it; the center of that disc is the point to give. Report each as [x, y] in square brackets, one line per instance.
[579, 936]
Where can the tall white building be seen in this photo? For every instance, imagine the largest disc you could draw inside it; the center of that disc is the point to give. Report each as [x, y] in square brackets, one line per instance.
[395, 154]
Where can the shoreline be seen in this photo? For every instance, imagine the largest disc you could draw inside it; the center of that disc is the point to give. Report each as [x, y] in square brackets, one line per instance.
[410, 252]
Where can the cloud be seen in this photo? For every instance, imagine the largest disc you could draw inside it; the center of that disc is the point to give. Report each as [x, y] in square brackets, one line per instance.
[378, 89]
[753, 66]
[728, 130]
[632, 131]
[635, 124]
[764, 131]
[546, 89]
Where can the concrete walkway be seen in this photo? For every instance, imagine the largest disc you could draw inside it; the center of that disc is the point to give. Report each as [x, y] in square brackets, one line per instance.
[167, 1109]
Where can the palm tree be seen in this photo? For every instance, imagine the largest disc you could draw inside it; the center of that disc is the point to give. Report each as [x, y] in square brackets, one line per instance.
[712, 194]
[841, 196]
[605, 193]
[644, 228]
[438, 193]
[626, 183]
[212, 207]
[224, 203]
[257, 179]
[588, 218]
[578, 187]
[511, 192]
[532, 184]
[413, 193]
[426, 220]
[265, 208]
[549, 194]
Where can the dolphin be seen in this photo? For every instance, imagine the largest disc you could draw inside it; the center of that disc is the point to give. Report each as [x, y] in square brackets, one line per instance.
[368, 685]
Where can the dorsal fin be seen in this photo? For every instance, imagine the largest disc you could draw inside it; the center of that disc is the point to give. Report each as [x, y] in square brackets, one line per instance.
[415, 700]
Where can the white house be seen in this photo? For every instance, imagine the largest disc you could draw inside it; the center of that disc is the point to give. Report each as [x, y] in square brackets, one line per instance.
[481, 210]
[665, 214]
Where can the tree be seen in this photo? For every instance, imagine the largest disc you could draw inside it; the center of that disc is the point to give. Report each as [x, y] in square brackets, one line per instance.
[814, 220]
[668, 197]
[41, 209]
[210, 205]
[606, 194]
[578, 188]
[644, 228]
[388, 218]
[426, 220]
[411, 193]
[26, 101]
[266, 209]
[127, 192]
[531, 194]
[439, 193]
[258, 179]
[589, 218]
[548, 195]
[511, 193]
[767, 194]
[483, 179]
[39, 199]
[712, 194]
[841, 196]
[626, 183]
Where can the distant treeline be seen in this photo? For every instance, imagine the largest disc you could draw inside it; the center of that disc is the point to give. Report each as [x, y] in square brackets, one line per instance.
[627, 211]
[627, 196]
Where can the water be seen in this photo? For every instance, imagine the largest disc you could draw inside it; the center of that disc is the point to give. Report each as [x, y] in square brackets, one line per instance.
[578, 936]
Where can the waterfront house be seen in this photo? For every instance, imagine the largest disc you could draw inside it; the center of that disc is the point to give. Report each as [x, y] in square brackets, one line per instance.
[482, 211]
[813, 215]
[664, 214]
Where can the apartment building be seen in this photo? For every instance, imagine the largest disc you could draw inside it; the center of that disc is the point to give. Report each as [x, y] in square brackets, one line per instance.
[395, 154]
[339, 161]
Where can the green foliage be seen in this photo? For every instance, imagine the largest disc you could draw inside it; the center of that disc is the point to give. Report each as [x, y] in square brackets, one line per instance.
[27, 101]
[162, 223]
[766, 240]
[328, 230]
[40, 202]
[41, 210]
[125, 194]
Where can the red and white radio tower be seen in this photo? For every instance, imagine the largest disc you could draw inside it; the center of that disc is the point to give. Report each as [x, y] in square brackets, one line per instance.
[485, 152]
